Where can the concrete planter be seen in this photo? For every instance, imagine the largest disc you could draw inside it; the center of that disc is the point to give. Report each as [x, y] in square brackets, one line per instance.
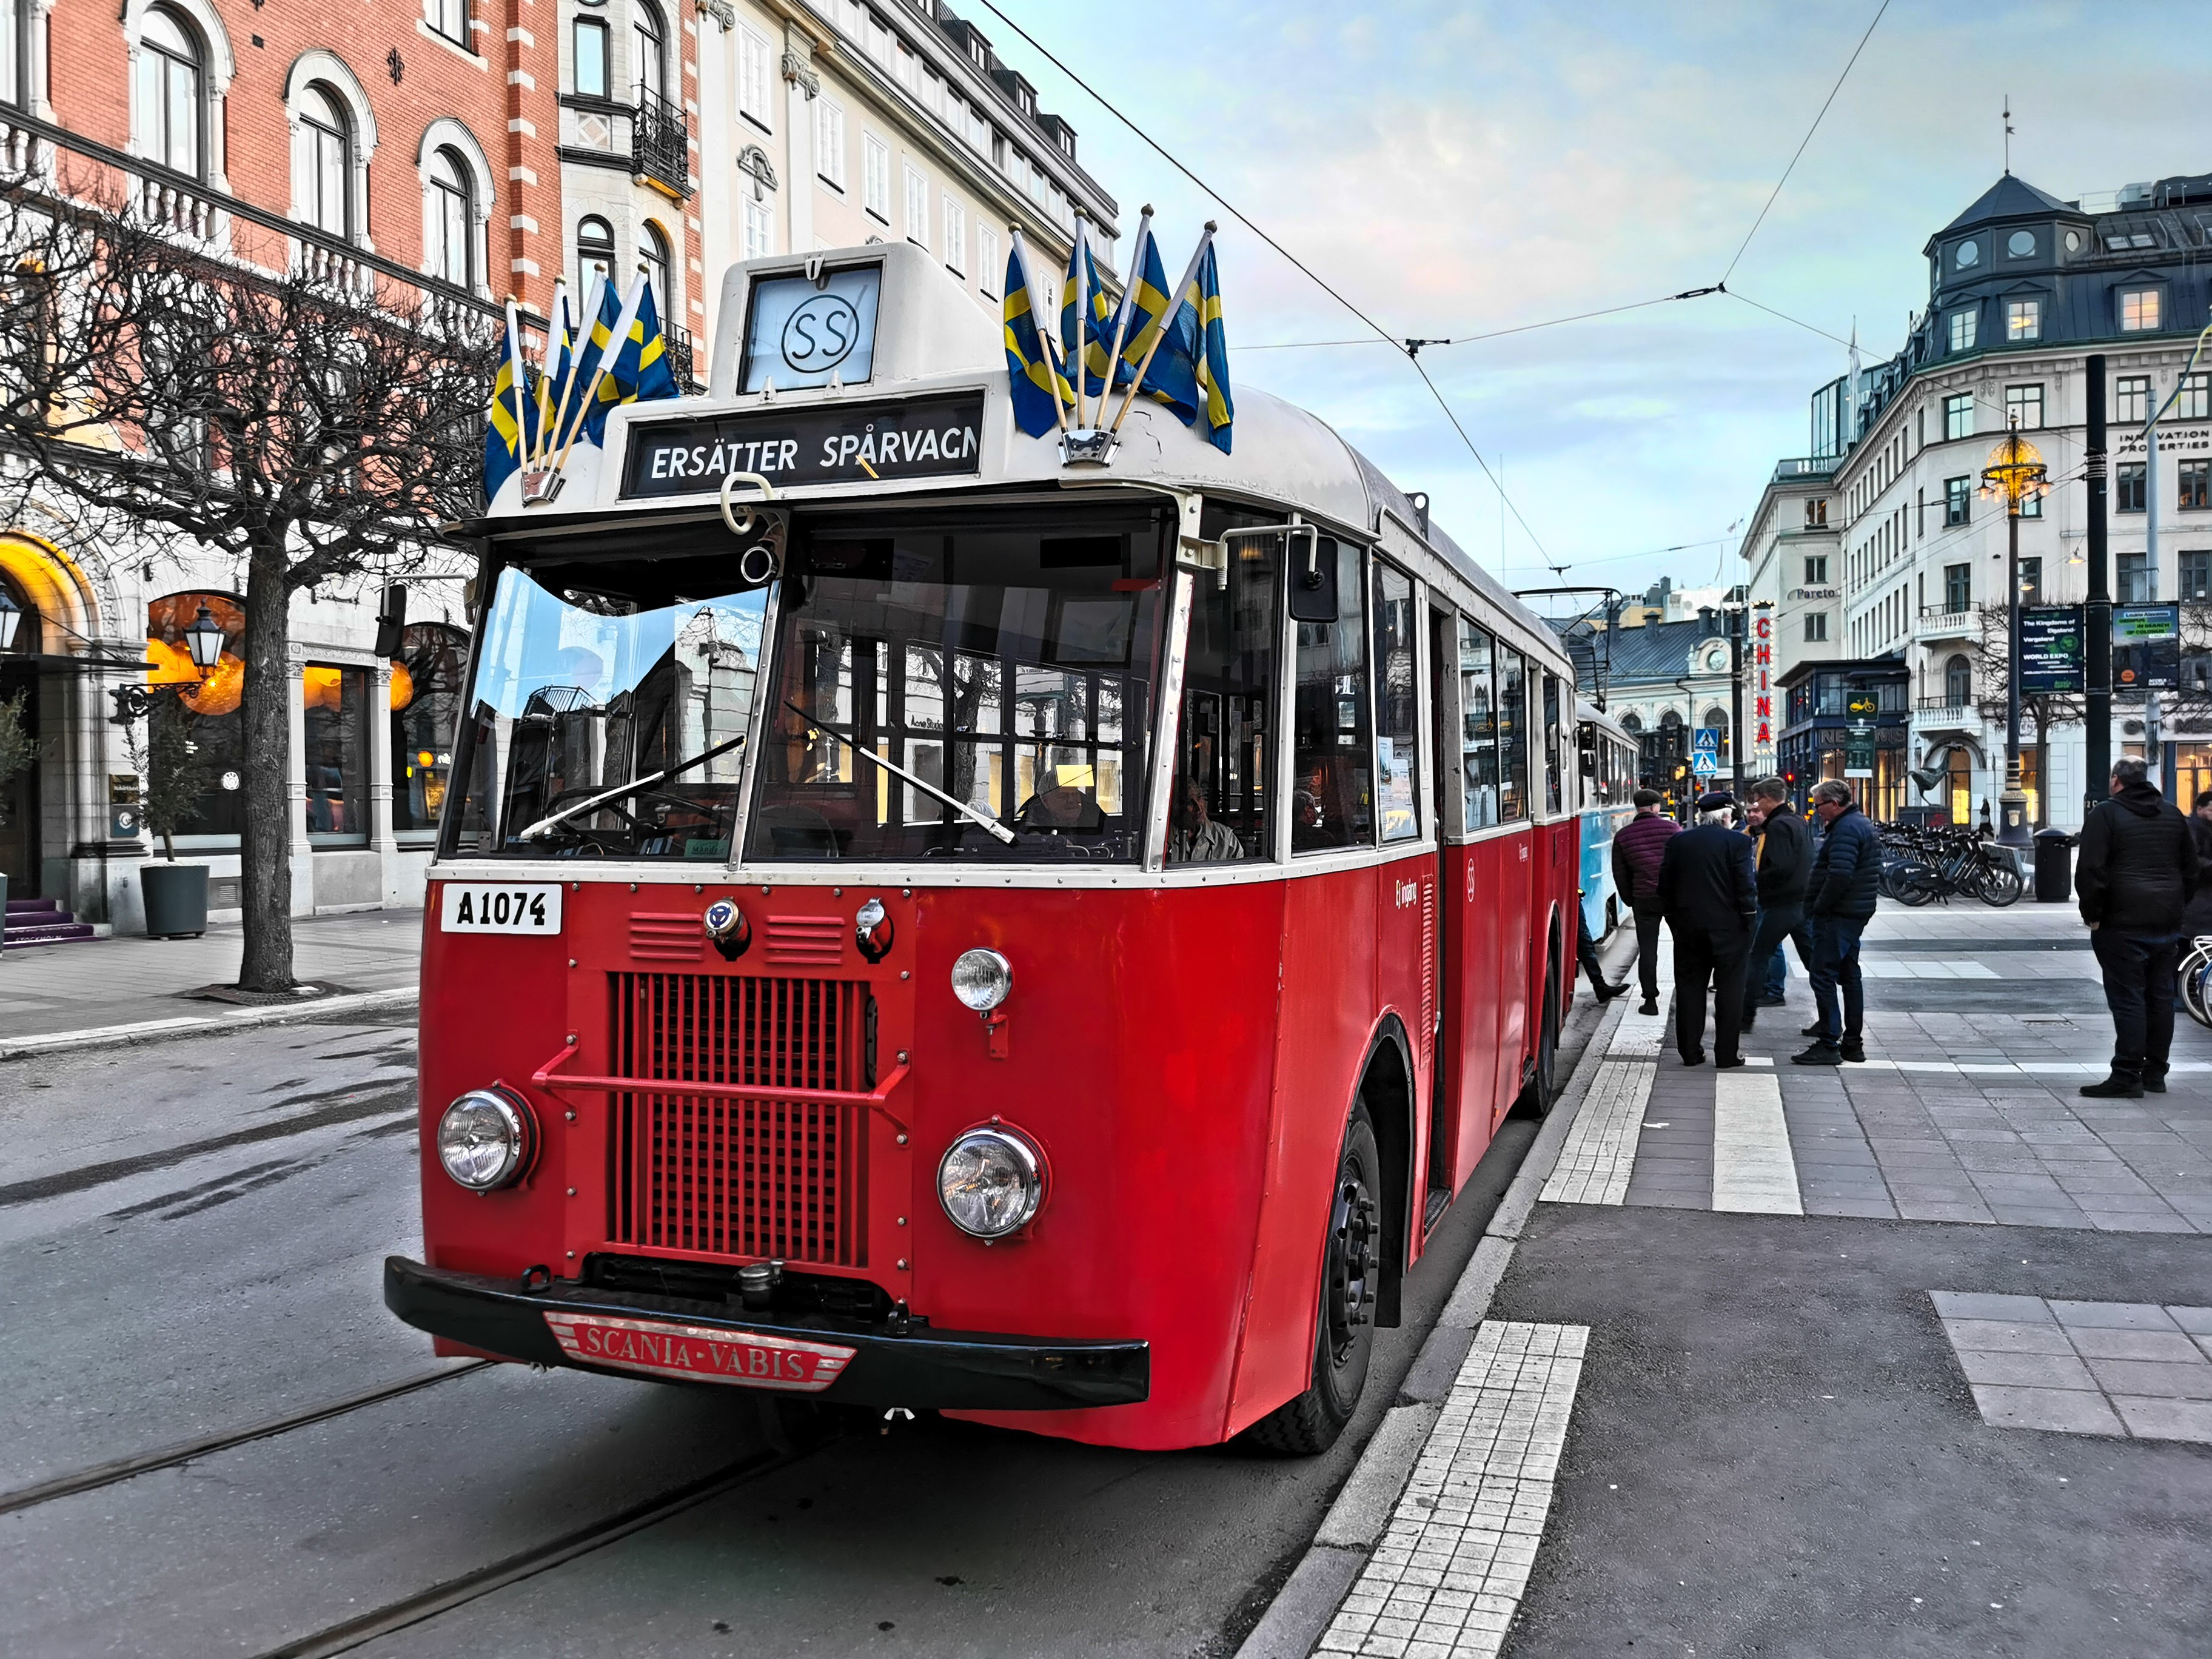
[176, 898]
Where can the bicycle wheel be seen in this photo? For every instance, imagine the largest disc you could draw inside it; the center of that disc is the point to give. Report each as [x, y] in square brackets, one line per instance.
[2195, 977]
[1916, 884]
[1998, 881]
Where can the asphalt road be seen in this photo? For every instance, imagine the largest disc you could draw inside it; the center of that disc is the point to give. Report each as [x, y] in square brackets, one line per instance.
[190, 1241]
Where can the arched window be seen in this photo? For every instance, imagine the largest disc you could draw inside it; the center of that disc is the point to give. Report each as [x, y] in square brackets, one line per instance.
[325, 161]
[649, 47]
[1670, 721]
[1958, 680]
[171, 92]
[1632, 722]
[218, 726]
[652, 250]
[426, 693]
[453, 218]
[595, 250]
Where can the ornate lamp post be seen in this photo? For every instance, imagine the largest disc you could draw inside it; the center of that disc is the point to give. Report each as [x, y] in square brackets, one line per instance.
[11, 618]
[2015, 472]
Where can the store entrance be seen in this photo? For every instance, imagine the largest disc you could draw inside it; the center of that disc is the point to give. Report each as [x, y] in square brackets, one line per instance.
[19, 795]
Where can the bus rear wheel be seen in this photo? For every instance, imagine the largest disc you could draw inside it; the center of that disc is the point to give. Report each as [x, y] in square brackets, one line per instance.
[1543, 1085]
[1344, 1338]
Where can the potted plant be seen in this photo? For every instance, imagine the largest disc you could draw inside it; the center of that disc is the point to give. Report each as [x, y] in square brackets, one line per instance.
[176, 773]
[19, 752]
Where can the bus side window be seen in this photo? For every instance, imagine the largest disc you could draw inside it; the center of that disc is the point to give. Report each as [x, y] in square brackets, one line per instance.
[1224, 763]
[1333, 800]
[1478, 702]
[1397, 711]
[1512, 736]
[1555, 752]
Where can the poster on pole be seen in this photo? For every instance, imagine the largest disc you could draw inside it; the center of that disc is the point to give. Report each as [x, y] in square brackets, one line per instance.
[2146, 647]
[2051, 653]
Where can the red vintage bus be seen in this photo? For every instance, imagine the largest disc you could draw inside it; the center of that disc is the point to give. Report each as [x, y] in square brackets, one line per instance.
[943, 926]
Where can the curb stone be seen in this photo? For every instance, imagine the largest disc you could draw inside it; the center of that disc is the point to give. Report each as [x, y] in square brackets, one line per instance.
[1300, 1611]
[160, 1030]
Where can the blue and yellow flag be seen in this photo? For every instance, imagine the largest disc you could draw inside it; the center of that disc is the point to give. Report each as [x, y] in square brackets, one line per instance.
[1170, 378]
[506, 439]
[593, 335]
[1097, 329]
[1213, 357]
[600, 345]
[553, 374]
[640, 371]
[1040, 391]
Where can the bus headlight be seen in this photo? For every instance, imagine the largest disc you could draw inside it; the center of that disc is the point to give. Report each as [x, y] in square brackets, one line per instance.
[981, 979]
[485, 1139]
[991, 1181]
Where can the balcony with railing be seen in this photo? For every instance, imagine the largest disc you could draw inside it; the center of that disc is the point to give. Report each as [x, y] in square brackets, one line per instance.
[682, 361]
[1806, 469]
[660, 143]
[1943, 711]
[1946, 621]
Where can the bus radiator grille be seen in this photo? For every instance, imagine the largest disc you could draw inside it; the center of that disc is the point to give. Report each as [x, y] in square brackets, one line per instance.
[779, 1178]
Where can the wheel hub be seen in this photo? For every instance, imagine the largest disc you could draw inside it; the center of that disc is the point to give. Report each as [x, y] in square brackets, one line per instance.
[1351, 1262]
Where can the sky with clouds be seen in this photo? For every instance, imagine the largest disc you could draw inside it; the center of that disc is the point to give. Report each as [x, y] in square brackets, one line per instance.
[1462, 169]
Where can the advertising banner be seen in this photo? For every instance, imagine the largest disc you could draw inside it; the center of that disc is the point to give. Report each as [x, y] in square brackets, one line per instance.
[2051, 654]
[2146, 647]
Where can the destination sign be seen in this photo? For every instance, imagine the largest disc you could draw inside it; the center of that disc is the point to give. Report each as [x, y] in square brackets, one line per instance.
[819, 443]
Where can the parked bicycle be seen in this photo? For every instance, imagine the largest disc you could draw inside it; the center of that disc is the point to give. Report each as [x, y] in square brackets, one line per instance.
[1920, 867]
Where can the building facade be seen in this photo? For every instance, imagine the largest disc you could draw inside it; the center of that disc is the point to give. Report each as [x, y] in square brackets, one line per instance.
[2023, 288]
[1662, 680]
[477, 148]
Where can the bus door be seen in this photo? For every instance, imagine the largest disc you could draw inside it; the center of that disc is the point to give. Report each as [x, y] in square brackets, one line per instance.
[1447, 1075]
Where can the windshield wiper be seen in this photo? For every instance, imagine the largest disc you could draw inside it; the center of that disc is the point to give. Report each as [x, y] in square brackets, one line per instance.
[814, 727]
[635, 784]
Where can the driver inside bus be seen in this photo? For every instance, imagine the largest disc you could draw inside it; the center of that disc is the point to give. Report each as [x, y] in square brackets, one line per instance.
[1198, 839]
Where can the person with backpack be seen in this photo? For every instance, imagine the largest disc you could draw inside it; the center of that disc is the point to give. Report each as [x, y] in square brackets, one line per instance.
[1636, 849]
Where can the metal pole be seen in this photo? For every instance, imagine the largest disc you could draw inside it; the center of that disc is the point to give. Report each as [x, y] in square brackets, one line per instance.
[1735, 701]
[2098, 621]
[2013, 803]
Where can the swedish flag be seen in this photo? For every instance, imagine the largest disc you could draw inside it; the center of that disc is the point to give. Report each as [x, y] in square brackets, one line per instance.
[1170, 379]
[1097, 321]
[555, 373]
[1214, 356]
[592, 422]
[593, 336]
[640, 371]
[506, 438]
[1039, 389]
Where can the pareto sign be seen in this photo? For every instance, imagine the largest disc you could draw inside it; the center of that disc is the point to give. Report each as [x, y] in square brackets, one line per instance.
[822, 443]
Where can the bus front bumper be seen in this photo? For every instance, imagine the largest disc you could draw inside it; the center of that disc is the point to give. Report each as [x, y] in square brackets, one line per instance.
[678, 1338]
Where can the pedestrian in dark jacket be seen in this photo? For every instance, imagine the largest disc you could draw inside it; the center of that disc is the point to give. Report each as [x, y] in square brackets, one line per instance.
[1781, 861]
[1839, 903]
[2197, 920]
[1636, 853]
[2136, 873]
[1706, 884]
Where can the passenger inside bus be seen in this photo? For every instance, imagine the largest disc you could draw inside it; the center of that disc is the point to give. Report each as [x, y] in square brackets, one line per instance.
[1198, 839]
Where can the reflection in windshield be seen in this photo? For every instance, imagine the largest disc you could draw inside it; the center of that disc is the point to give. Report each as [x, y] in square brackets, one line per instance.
[1009, 664]
[578, 692]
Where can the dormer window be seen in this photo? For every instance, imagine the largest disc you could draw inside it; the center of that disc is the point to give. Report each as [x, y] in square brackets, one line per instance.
[1962, 330]
[2023, 320]
[2020, 245]
[2140, 310]
[980, 51]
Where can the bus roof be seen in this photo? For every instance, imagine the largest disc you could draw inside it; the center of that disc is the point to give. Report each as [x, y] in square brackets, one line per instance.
[932, 348]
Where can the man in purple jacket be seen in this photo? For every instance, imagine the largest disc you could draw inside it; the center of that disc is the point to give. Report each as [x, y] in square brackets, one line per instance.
[1637, 850]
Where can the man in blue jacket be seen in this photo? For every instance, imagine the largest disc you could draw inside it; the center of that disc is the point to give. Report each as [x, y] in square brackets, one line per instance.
[1846, 886]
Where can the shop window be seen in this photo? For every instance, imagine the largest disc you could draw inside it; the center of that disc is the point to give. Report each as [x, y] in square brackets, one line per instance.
[335, 701]
[1335, 801]
[426, 700]
[1397, 707]
[217, 732]
[1223, 787]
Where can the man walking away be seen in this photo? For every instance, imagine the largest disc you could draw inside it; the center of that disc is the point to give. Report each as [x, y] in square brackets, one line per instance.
[2135, 874]
[1636, 853]
[1783, 865]
[1846, 882]
[1586, 954]
[1705, 884]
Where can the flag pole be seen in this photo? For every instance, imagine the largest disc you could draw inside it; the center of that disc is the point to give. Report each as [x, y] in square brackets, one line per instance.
[1082, 267]
[589, 315]
[1128, 304]
[615, 344]
[516, 364]
[1044, 336]
[557, 325]
[1167, 321]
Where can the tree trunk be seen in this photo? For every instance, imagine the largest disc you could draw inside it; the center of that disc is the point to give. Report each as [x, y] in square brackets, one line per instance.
[265, 867]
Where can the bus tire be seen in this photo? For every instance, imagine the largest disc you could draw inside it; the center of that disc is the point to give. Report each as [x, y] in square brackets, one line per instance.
[1343, 1333]
[1543, 1085]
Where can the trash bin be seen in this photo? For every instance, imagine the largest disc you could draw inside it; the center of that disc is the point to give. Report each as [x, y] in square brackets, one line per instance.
[2054, 867]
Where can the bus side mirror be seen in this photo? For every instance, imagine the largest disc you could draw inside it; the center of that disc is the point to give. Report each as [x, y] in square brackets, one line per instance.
[1311, 576]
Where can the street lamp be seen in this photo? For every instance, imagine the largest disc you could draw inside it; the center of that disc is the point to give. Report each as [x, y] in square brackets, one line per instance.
[2015, 472]
[11, 618]
[203, 639]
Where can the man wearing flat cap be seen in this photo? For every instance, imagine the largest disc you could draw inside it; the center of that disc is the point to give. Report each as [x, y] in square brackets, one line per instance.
[1712, 898]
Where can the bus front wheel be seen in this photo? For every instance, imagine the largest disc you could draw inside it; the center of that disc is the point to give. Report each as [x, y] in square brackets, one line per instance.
[1344, 1338]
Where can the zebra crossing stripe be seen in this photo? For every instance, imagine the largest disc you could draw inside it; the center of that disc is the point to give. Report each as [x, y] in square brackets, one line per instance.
[1753, 1170]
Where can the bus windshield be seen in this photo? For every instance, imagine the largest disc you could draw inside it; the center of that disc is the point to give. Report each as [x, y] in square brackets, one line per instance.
[580, 692]
[1007, 660]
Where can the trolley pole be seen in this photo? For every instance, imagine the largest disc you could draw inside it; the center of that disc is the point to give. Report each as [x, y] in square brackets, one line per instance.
[2098, 618]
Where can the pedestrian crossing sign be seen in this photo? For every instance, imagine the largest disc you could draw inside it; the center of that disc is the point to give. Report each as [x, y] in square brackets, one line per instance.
[1705, 764]
[1705, 740]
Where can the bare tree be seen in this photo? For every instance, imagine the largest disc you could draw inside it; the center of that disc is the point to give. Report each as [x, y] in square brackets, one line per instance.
[278, 402]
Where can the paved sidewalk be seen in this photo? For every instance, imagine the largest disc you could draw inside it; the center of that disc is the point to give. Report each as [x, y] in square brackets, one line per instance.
[121, 983]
